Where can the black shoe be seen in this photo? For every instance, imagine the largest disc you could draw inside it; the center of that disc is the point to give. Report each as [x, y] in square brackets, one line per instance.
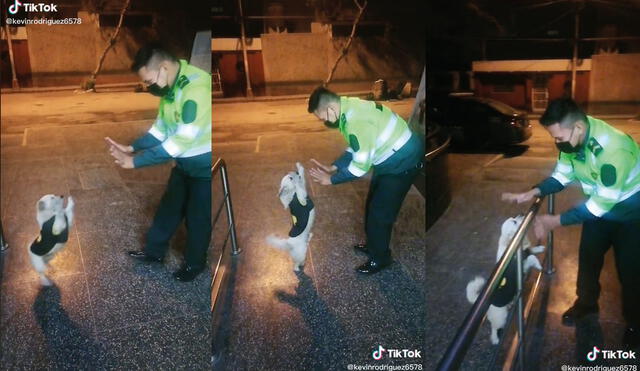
[142, 256]
[361, 248]
[631, 337]
[577, 312]
[371, 267]
[187, 273]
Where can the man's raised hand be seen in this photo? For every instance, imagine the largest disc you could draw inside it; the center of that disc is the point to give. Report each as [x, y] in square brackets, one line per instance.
[120, 147]
[320, 176]
[326, 168]
[520, 197]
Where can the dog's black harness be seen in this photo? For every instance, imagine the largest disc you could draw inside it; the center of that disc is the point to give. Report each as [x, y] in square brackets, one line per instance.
[300, 216]
[508, 287]
[47, 240]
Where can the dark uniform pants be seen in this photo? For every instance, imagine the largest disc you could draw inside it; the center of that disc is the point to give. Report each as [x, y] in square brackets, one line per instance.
[386, 193]
[185, 197]
[597, 237]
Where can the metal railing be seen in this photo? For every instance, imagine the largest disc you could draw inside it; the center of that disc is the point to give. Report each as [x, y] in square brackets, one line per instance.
[429, 156]
[219, 275]
[457, 349]
[3, 243]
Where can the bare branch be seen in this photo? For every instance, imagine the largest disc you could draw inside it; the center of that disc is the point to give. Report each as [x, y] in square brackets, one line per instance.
[345, 49]
[488, 17]
[91, 83]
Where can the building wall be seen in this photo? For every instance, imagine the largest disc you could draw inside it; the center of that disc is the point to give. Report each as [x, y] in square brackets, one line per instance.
[71, 53]
[371, 60]
[294, 62]
[615, 78]
[21, 59]
[558, 85]
[232, 74]
[71, 48]
[297, 62]
[486, 86]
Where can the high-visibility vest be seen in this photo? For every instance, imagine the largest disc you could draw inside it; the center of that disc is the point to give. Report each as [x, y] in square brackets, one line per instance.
[608, 167]
[183, 124]
[373, 132]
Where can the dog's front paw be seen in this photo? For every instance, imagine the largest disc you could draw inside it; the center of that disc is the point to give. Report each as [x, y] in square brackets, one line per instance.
[536, 265]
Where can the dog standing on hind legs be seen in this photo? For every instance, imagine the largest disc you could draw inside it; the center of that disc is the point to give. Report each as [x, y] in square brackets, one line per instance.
[55, 222]
[293, 195]
[502, 300]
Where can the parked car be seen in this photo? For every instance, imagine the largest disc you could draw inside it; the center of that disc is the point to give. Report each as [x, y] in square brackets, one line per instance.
[438, 187]
[475, 122]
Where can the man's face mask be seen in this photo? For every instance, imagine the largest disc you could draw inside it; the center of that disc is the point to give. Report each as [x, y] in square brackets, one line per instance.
[155, 89]
[331, 124]
[566, 146]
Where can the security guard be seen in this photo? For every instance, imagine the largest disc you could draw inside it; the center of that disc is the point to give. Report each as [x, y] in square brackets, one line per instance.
[182, 131]
[606, 162]
[380, 140]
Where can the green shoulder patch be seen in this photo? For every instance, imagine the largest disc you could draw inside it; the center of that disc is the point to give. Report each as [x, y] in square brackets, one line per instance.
[608, 175]
[183, 81]
[189, 111]
[353, 143]
[594, 146]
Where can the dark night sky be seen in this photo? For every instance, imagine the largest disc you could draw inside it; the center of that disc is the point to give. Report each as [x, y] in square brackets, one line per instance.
[455, 29]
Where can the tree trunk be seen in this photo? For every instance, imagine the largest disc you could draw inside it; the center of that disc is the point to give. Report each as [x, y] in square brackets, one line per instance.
[345, 49]
[14, 79]
[90, 85]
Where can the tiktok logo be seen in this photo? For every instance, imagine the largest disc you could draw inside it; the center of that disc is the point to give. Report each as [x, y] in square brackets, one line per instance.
[592, 355]
[32, 7]
[13, 9]
[377, 354]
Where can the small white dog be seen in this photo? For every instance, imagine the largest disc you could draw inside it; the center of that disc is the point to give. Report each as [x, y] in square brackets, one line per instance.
[293, 195]
[55, 222]
[503, 297]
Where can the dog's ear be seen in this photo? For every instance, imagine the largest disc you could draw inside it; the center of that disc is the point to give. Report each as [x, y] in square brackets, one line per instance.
[301, 191]
[41, 206]
[300, 169]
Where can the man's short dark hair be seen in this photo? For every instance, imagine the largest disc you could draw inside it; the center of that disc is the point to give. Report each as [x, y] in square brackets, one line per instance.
[564, 111]
[321, 97]
[151, 55]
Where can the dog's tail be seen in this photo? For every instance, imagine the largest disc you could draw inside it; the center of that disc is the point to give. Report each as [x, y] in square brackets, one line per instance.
[473, 289]
[278, 242]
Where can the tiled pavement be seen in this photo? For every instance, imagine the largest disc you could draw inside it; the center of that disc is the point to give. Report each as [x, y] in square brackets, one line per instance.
[104, 311]
[330, 316]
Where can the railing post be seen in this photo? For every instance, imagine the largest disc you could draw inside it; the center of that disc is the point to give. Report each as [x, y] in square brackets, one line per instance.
[549, 268]
[520, 310]
[232, 224]
[3, 243]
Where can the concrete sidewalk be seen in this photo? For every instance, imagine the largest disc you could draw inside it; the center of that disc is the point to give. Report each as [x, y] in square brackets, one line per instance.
[330, 316]
[20, 111]
[105, 311]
